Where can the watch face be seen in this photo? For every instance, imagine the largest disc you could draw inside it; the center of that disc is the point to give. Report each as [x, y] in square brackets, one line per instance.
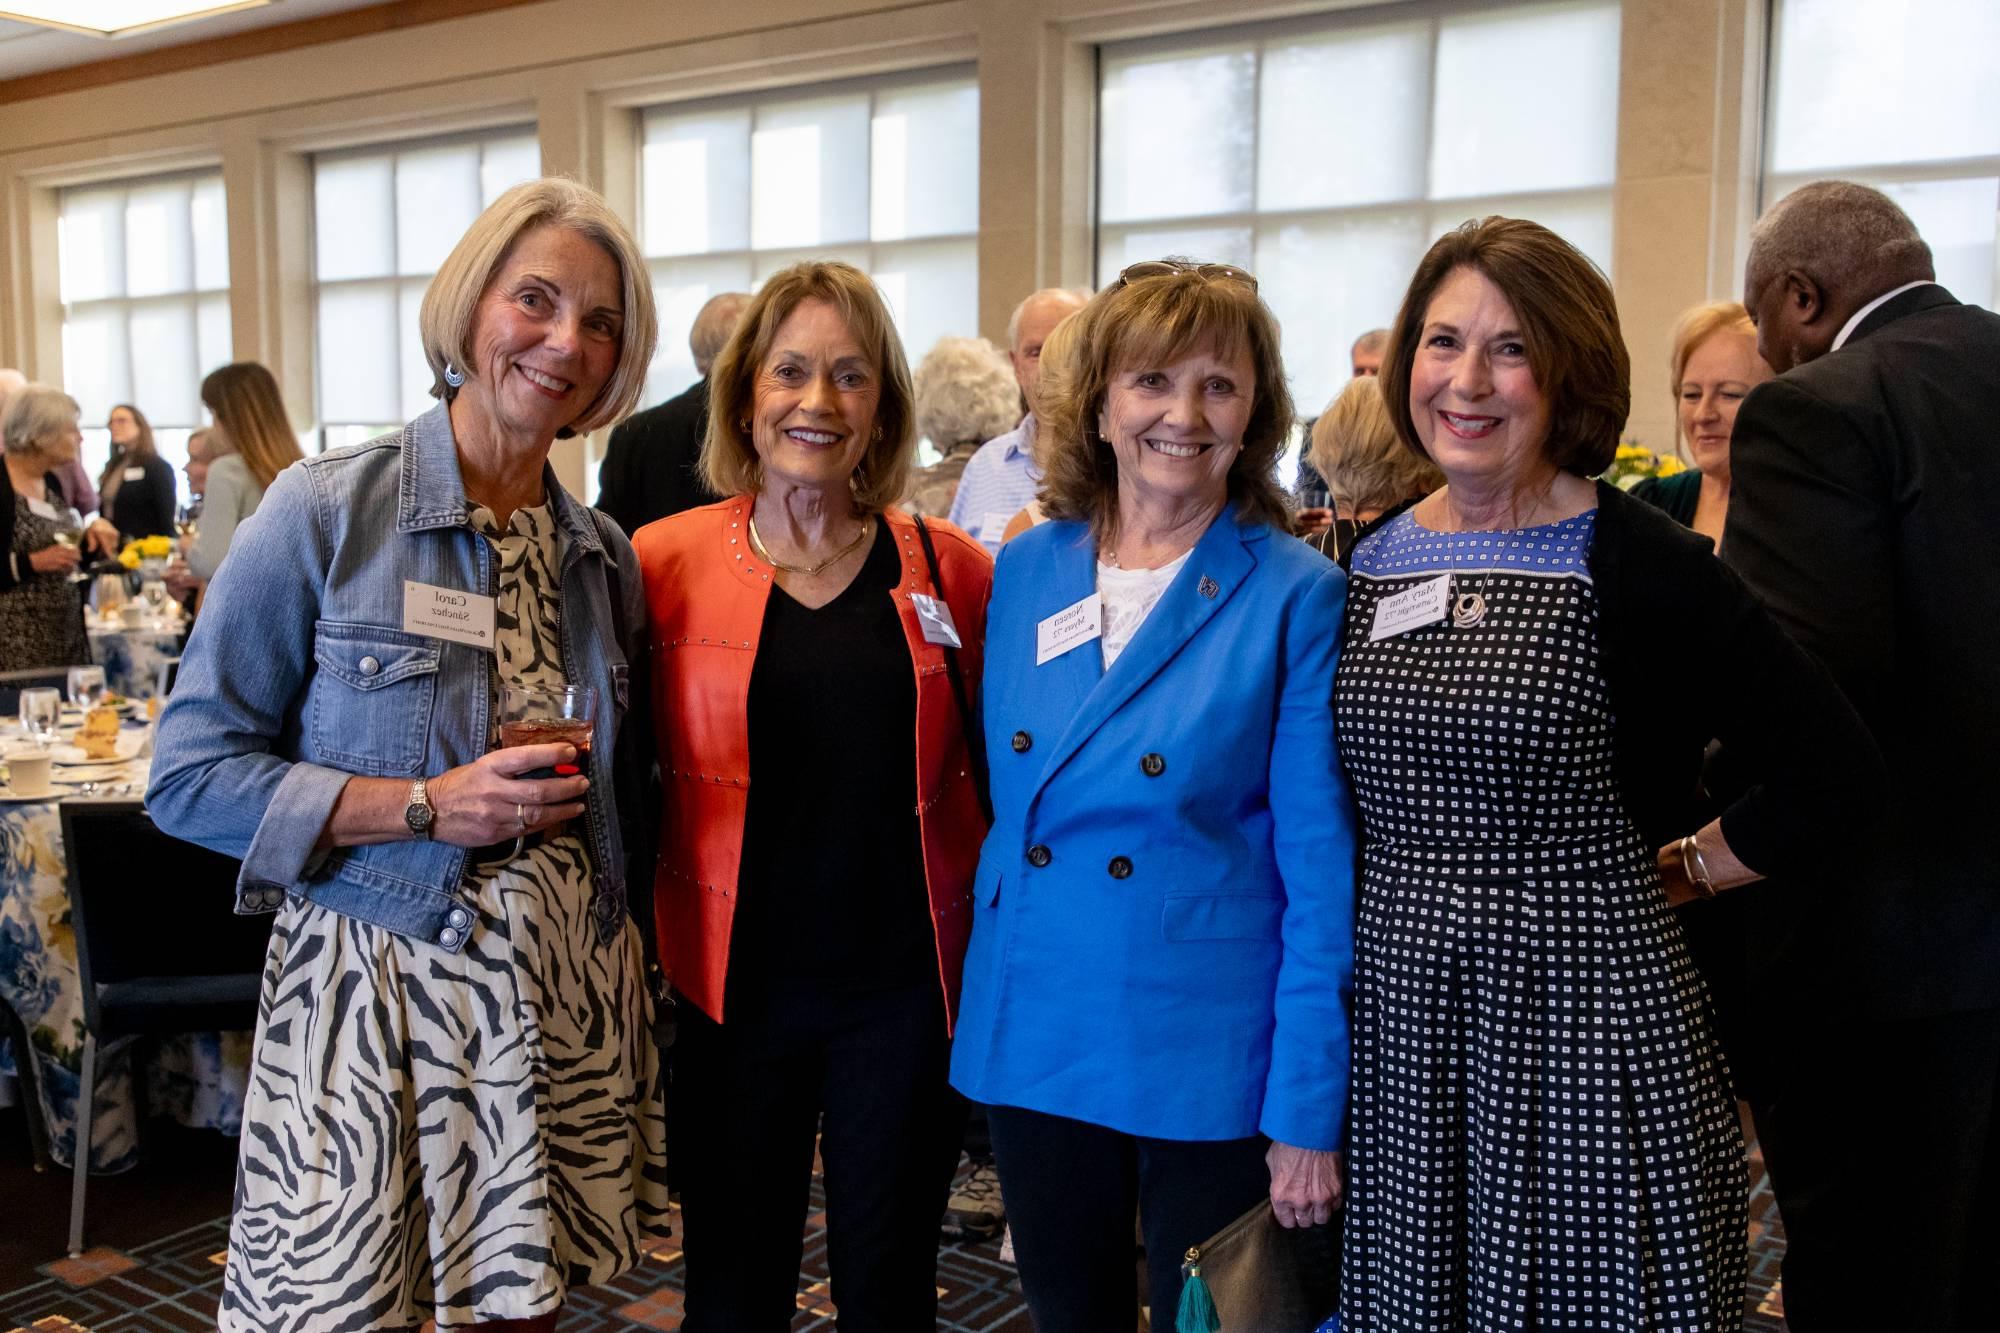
[417, 816]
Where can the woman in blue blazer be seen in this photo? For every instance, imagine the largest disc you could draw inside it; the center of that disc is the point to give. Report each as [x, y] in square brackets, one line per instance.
[1155, 1000]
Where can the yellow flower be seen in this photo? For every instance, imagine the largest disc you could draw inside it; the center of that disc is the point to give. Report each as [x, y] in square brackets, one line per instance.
[1671, 466]
[156, 548]
[129, 558]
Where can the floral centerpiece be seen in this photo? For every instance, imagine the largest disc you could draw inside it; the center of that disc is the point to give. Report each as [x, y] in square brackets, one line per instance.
[149, 553]
[1634, 463]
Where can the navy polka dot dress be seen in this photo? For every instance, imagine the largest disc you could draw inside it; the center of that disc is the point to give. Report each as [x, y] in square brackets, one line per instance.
[1540, 1134]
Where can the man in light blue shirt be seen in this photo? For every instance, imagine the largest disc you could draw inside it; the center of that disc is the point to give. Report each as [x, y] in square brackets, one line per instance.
[1000, 479]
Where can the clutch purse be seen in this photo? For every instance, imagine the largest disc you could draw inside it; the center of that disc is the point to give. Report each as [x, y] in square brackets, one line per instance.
[1255, 1276]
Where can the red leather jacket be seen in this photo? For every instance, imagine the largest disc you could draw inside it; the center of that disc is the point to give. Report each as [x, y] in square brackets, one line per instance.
[705, 595]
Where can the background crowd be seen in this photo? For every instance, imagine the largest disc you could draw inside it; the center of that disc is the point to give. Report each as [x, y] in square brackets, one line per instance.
[1440, 851]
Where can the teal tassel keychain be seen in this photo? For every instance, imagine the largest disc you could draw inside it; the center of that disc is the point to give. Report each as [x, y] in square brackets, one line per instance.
[1197, 1311]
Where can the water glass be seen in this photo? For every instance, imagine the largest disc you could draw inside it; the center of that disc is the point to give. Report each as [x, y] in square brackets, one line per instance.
[86, 686]
[41, 706]
[154, 592]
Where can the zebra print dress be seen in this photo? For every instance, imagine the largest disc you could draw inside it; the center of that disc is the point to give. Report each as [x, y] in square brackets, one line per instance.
[465, 1136]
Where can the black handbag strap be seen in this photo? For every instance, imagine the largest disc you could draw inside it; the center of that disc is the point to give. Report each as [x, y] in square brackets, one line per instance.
[975, 739]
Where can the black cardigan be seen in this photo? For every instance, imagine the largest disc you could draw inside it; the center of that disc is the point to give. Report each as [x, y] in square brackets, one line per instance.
[1691, 656]
[143, 506]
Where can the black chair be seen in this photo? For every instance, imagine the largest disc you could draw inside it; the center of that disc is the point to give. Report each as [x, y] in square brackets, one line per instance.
[158, 945]
[13, 682]
[170, 674]
[27, 1076]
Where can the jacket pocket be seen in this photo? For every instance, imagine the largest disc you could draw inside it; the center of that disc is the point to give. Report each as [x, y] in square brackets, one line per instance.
[1232, 916]
[372, 697]
[986, 884]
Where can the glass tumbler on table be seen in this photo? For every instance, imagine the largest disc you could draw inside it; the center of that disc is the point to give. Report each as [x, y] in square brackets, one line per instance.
[86, 687]
[40, 709]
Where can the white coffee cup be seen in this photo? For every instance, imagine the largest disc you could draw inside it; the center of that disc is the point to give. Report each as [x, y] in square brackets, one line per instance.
[133, 615]
[30, 774]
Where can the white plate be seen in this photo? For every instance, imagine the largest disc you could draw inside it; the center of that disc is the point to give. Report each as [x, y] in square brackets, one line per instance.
[129, 745]
[55, 793]
[96, 770]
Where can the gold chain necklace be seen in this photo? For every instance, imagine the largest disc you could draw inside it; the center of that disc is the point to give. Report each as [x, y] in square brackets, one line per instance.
[763, 553]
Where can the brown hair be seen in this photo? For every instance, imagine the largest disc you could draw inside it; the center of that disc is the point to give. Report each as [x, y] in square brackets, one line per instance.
[1158, 320]
[1568, 318]
[729, 461]
[1696, 326]
[1354, 446]
[113, 475]
[246, 404]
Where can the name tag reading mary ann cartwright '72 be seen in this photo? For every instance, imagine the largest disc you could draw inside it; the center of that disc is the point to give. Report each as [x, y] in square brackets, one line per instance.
[447, 613]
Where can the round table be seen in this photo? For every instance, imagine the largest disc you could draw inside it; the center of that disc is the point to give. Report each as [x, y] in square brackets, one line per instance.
[132, 658]
[198, 1079]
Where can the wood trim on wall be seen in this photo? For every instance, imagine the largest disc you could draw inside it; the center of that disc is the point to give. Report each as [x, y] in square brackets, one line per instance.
[370, 19]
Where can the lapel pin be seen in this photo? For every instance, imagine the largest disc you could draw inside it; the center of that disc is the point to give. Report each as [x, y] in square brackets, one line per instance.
[1207, 587]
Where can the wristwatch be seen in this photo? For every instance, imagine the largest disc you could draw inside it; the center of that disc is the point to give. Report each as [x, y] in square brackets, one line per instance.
[418, 813]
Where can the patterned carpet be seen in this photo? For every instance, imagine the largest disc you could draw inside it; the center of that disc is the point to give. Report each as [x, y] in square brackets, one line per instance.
[173, 1283]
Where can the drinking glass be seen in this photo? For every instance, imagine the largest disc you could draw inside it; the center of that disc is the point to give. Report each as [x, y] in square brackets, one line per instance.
[71, 534]
[154, 591]
[41, 706]
[548, 715]
[86, 686]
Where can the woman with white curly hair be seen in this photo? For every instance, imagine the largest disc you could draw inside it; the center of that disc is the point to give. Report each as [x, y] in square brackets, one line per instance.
[965, 396]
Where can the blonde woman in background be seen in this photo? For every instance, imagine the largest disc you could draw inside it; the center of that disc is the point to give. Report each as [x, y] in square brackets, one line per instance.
[965, 396]
[1369, 473]
[1715, 365]
[250, 415]
[1058, 364]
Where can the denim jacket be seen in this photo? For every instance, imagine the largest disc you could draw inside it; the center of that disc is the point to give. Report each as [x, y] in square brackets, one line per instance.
[299, 675]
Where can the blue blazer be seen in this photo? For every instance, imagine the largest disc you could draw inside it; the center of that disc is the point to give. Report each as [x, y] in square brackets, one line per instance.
[1163, 924]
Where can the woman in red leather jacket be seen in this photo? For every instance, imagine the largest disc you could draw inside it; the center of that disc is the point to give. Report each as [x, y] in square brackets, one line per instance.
[820, 824]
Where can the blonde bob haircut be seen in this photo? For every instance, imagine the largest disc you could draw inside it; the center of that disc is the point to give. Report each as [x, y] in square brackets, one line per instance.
[729, 461]
[451, 303]
[1356, 448]
[1156, 321]
[1696, 326]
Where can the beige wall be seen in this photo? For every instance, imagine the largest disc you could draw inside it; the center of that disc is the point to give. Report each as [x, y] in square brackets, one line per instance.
[1686, 142]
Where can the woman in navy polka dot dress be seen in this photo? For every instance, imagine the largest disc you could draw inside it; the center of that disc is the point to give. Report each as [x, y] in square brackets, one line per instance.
[1541, 1135]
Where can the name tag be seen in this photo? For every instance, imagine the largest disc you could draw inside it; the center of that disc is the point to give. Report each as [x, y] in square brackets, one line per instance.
[993, 525]
[135, 474]
[1069, 627]
[935, 619]
[43, 509]
[447, 613]
[1421, 605]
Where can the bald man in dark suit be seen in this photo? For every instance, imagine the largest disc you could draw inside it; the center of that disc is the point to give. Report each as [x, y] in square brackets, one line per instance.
[1865, 510]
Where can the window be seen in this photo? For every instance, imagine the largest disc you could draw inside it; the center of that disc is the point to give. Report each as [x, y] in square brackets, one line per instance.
[1903, 95]
[384, 219]
[145, 296]
[1326, 155]
[884, 175]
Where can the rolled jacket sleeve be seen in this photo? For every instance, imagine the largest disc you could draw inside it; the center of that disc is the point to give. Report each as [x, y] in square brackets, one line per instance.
[1305, 1097]
[219, 775]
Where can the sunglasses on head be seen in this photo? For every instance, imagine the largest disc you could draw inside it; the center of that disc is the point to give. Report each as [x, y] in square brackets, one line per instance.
[1162, 268]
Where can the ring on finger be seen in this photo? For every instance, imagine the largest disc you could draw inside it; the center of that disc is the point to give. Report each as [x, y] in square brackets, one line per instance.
[521, 815]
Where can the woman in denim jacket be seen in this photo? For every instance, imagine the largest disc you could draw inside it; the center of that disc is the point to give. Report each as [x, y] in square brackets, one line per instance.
[456, 1110]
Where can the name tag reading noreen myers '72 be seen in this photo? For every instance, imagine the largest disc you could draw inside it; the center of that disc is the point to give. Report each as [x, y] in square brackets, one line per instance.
[1078, 623]
[448, 613]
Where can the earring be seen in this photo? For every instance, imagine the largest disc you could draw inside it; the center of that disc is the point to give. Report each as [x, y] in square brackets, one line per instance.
[453, 375]
[744, 425]
[877, 436]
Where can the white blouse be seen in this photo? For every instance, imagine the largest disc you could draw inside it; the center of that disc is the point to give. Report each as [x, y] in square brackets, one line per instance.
[1129, 597]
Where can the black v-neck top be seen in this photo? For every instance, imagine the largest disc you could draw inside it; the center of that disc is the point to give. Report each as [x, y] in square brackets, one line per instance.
[831, 892]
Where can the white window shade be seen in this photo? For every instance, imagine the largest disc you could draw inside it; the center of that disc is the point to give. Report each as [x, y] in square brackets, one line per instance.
[385, 220]
[1903, 95]
[144, 273]
[1326, 155]
[883, 174]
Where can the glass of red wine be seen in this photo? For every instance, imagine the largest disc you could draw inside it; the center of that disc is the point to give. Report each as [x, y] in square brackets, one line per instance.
[548, 715]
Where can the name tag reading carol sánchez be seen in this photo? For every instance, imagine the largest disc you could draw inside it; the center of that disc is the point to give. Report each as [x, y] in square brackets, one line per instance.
[448, 613]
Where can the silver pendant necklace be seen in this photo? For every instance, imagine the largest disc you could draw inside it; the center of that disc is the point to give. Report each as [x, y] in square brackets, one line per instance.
[1467, 608]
